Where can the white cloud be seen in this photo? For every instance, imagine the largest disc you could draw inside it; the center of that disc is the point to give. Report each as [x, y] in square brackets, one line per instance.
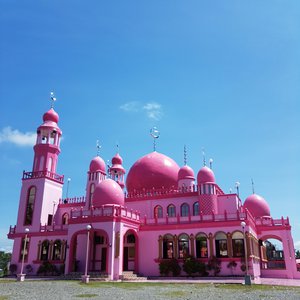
[133, 106]
[153, 110]
[297, 245]
[14, 136]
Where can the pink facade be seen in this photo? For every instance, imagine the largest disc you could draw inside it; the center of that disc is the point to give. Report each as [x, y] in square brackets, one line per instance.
[157, 213]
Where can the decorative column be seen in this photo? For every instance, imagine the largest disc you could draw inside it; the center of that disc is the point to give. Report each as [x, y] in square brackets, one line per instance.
[192, 241]
[50, 250]
[38, 256]
[211, 245]
[117, 245]
[63, 249]
[160, 246]
[175, 246]
[229, 244]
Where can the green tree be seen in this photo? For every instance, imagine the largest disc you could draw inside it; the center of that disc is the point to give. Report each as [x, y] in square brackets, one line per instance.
[4, 260]
[297, 254]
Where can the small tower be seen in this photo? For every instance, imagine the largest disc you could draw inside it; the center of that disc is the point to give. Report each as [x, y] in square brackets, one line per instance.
[95, 175]
[117, 171]
[207, 189]
[42, 187]
[186, 177]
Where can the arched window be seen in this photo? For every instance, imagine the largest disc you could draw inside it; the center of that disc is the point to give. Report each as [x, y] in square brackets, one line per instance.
[184, 210]
[44, 250]
[92, 189]
[56, 250]
[30, 205]
[196, 209]
[168, 246]
[50, 163]
[238, 244]
[221, 245]
[130, 239]
[65, 219]
[201, 245]
[171, 210]
[41, 166]
[129, 251]
[183, 245]
[158, 211]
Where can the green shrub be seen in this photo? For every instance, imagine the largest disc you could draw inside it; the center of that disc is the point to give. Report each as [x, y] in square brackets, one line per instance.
[13, 269]
[175, 267]
[169, 266]
[46, 268]
[164, 268]
[214, 264]
[193, 267]
[28, 268]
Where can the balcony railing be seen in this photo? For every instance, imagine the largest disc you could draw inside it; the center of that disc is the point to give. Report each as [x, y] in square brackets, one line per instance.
[105, 211]
[43, 174]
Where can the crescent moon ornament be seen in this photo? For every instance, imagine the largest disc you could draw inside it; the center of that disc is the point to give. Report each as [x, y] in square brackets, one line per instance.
[52, 98]
[154, 132]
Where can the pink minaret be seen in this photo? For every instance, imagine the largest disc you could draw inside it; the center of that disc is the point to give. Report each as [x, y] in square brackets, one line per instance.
[46, 149]
[117, 171]
[42, 187]
[208, 198]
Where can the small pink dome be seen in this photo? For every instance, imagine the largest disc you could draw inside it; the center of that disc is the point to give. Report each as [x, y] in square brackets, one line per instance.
[117, 160]
[257, 206]
[97, 164]
[108, 192]
[205, 175]
[51, 116]
[186, 172]
[154, 170]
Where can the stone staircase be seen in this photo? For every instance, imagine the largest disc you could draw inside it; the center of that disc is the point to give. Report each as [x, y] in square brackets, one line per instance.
[94, 276]
[131, 276]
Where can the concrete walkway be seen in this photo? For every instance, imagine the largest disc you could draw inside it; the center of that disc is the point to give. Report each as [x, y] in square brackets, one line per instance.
[229, 280]
[220, 280]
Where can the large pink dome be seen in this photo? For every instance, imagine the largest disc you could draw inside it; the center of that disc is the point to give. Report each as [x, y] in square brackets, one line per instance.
[108, 192]
[205, 175]
[257, 206]
[154, 170]
[97, 164]
[186, 172]
[51, 116]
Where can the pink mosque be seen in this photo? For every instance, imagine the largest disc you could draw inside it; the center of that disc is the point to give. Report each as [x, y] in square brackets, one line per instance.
[159, 213]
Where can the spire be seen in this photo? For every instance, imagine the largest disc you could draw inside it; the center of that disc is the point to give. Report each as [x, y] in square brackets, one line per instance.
[155, 135]
[52, 99]
[98, 146]
[203, 155]
[210, 163]
[184, 155]
[253, 191]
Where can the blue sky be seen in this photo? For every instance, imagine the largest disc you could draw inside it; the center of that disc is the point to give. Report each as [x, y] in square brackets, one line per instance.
[218, 75]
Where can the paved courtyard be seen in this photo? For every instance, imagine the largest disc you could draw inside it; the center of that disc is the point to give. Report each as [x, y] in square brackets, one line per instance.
[179, 289]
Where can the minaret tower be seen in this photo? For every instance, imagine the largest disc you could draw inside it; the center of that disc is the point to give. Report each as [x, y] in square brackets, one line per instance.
[95, 175]
[207, 193]
[117, 171]
[186, 177]
[42, 187]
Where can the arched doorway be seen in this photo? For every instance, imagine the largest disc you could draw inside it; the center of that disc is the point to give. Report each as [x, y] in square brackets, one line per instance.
[97, 251]
[129, 251]
[272, 254]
